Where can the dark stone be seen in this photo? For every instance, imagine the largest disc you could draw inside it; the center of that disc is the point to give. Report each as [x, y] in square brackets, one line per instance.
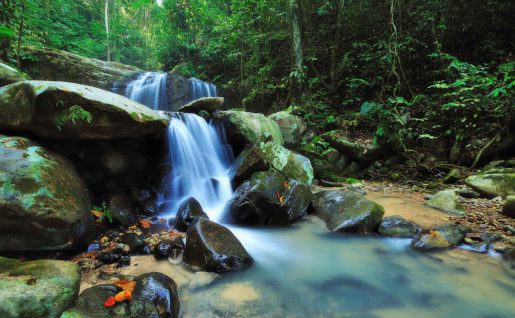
[347, 211]
[189, 211]
[441, 237]
[469, 194]
[124, 261]
[149, 207]
[155, 295]
[214, 248]
[92, 300]
[397, 226]
[136, 243]
[124, 209]
[167, 248]
[108, 257]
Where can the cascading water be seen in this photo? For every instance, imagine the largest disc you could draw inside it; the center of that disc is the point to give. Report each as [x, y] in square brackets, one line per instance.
[148, 89]
[201, 162]
[202, 89]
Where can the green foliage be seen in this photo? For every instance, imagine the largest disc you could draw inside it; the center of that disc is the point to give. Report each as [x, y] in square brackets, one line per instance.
[106, 213]
[73, 114]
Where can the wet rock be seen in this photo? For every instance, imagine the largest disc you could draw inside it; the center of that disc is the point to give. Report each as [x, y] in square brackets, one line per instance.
[135, 242]
[493, 185]
[156, 296]
[44, 203]
[214, 248]
[469, 194]
[109, 257]
[446, 201]
[293, 128]
[269, 198]
[453, 176]
[9, 75]
[149, 207]
[24, 107]
[125, 260]
[188, 212]
[509, 206]
[397, 226]
[246, 128]
[123, 209]
[441, 237]
[209, 104]
[37, 289]
[169, 248]
[347, 211]
[91, 301]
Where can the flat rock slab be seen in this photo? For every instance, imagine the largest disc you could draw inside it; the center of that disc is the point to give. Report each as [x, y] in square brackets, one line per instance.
[209, 104]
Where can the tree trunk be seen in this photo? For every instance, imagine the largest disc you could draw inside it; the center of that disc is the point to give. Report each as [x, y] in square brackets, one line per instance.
[107, 30]
[296, 78]
[20, 35]
[335, 52]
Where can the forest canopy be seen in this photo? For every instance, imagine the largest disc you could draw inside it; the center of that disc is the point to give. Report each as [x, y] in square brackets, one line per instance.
[406, 71]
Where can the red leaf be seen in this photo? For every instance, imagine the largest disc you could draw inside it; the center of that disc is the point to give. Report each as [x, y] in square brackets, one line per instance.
[110, 302]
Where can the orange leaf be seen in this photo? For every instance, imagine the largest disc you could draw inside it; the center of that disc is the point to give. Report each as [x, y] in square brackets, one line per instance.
[126, 285]
[98, 214]
[110, 302]
[280, 197]
[123, 295]
[145, 224]
[285, 184]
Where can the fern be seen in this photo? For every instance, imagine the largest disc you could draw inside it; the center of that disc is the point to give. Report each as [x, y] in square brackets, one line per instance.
[75, 113]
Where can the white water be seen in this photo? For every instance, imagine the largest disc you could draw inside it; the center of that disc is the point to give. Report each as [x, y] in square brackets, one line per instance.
[201, 161]
[149, 89]
[202, 89]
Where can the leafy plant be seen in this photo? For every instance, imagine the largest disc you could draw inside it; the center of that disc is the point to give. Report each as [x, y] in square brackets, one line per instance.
[74, 114]
[103, 212]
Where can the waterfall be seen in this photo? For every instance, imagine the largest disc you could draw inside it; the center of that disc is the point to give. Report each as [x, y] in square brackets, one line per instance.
[201, 89]
[200, 160]
[149, 89]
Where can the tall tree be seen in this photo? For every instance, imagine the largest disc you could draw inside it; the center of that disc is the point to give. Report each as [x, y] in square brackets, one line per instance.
[108, 40]
[297, 69]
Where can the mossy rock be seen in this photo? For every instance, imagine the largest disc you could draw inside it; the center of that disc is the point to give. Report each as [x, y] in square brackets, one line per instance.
[492, 185]
[293, 128]
[397, 226]
[208, 104]
[358, 152]
[446, 201]
[246, 128]
[44, 204]
[42, 288]
[9, 75]
[46, 109]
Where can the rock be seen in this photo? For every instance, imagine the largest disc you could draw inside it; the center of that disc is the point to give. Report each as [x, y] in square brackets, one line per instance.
[453, 176]
[509, 206]
[209, 104]
[9, 75]
[246, 128]
[114, 163]
[441, 237]
[358, 152]
[169, 248]
[466, 193]
[91, 300]
[155, 295]
[56, 65]
[446, 201]
[136, 243]
[293, 128]
[189, 211]
[347, 211]
[37, 289]
[268, 198]
[44, 204]
[60, 110]
[123, 209]
[397, 226]
[248, 162]
[493, 185]
[214, 248]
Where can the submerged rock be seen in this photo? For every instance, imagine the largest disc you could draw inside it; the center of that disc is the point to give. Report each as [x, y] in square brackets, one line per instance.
[347, 211]
[247, 128]
[269, 198]
[397, 226]
[156, 296]
[44, 204]
[169, 248]
[209, 104]
[214, 248]
[493, 185]
[441, 237]
[60, 110]
[446, 201]
[37, 289]
[293, 128]
[188, 212]
[9, 75]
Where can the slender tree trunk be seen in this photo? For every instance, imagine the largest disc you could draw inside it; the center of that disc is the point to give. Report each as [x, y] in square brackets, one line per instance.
[107, 31]
[20, 35]
[296, 53]
[335, 52]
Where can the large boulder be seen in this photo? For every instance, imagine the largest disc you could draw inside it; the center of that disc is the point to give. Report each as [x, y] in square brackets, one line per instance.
[492, 185]
[44, 204]
[9, 75]
[293, 128]
[397, 226]
[446, 201]
[155, 295]
[347, 211]
[209, 104]
[358, 152]
[60, 110]
[189, 211]
[37, 289]
[269, 198]
[441, 237]
[55, 65]
[214, 248]
[91, 302]
[508, 208]
[246, 128]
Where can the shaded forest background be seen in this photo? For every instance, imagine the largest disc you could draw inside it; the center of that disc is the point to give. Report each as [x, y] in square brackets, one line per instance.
[400, 72]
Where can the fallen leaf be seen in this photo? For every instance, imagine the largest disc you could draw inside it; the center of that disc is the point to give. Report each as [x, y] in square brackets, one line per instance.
[123, 295]
[98, 214]
[285, 184]
[145, 224]
[126, 285]
[280, 197]
[110, 302]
